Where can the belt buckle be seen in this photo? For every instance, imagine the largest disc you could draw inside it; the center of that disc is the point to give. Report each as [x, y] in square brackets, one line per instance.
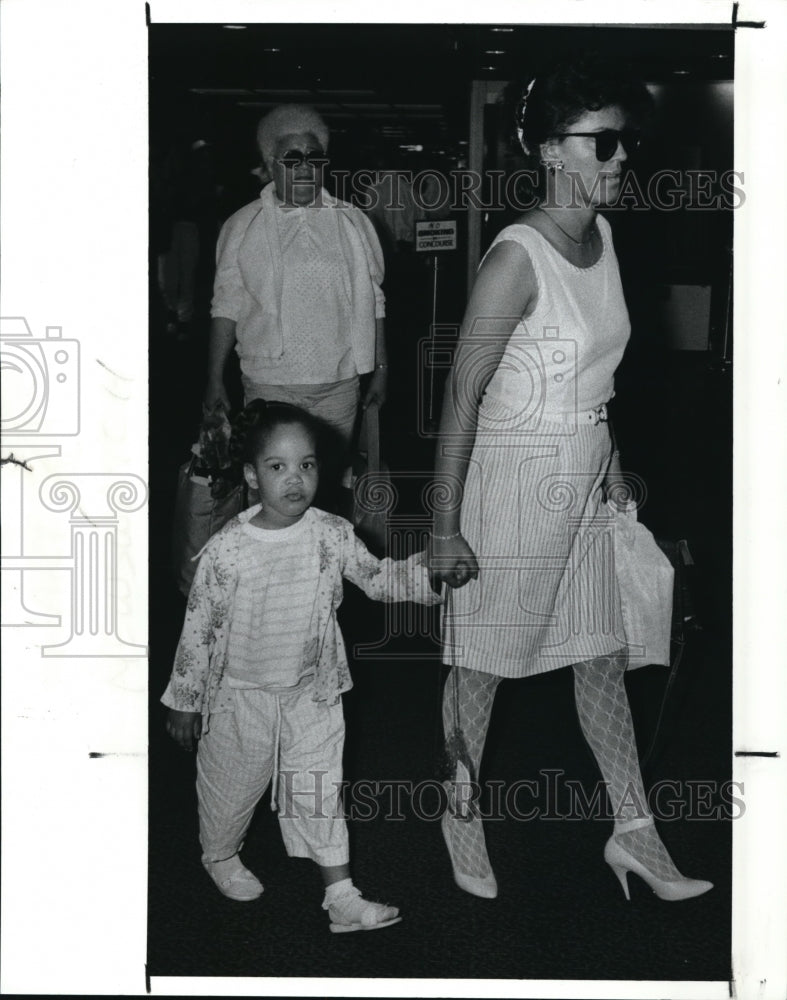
[599, 415]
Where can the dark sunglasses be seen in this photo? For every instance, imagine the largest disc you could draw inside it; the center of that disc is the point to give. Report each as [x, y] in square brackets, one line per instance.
[607, 141]
[296, 158]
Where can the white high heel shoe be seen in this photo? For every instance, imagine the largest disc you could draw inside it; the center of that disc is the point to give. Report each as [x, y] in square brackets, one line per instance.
[622, 862]
[486, 886]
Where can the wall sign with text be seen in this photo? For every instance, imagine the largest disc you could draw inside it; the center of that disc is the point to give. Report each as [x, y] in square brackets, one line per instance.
[432, 236]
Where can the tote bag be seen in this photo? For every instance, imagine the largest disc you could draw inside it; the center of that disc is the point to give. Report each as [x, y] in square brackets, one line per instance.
[645, 580]
[198, 515]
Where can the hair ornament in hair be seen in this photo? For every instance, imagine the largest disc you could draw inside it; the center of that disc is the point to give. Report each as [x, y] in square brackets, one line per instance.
[244, 422]
[520, 116]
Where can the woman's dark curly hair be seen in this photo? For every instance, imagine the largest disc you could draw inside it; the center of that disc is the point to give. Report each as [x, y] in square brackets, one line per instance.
[259, 419]
[563, 92]
[560, 93]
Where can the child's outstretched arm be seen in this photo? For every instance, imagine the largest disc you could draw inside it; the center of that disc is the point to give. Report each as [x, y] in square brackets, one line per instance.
[388, 579]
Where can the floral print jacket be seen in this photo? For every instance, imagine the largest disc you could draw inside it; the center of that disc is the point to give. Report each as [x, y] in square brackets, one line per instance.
[198, 681]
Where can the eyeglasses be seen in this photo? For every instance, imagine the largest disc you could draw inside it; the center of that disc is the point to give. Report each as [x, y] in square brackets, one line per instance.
[296, 158]
[607, 141]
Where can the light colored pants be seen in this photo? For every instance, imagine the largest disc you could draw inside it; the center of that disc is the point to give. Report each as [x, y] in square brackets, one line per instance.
[237, 759]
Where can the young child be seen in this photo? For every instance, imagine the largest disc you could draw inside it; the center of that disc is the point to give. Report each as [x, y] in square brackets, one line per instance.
[261, 665]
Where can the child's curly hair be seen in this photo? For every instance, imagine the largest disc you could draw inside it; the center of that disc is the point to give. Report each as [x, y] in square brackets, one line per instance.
[257, 420]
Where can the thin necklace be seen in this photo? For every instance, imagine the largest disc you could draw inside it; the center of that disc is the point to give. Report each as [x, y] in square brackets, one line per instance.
[579, 243]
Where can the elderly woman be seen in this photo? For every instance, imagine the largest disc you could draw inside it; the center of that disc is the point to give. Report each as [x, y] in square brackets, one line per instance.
[298, 285]
[525, 461]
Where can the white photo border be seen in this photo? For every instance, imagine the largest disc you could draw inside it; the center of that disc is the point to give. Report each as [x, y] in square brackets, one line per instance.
[74, 232]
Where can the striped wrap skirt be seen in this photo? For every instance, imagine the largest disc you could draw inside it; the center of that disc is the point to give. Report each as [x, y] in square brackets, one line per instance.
[533, 512]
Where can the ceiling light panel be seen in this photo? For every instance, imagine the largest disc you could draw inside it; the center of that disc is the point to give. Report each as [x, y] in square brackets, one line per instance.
[347, 93]
[221, 91]
[282, 93]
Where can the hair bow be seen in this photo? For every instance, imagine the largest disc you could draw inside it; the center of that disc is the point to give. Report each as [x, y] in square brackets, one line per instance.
[520, 115]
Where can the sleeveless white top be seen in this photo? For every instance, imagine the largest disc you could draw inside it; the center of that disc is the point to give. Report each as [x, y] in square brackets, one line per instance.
[561, 359]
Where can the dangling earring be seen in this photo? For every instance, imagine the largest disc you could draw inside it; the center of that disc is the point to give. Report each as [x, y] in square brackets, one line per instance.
[553, 165]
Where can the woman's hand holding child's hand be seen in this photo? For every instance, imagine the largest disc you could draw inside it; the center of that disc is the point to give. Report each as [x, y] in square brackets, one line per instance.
[185, 728]
[453, 561]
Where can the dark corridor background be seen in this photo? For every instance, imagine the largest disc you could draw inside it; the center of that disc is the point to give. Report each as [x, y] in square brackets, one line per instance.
[560, 913]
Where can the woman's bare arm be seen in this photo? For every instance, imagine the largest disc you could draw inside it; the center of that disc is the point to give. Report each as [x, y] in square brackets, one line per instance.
[505, 290]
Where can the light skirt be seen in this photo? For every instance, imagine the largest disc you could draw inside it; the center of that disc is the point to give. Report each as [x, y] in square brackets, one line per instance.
[533, 513]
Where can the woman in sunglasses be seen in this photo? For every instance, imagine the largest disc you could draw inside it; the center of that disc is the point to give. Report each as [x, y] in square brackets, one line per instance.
[525, 462]
[298, 281]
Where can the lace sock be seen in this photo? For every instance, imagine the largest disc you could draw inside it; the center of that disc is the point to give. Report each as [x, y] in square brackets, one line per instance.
[346, 906]
[476, 695]
[605, 718]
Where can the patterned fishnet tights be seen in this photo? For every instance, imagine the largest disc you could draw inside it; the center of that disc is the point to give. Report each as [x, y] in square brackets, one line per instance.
[476, 695]
[605, 718]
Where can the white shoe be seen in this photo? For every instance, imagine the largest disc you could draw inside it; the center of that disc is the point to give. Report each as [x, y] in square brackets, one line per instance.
[622, 862]
[233, 879]
[351, 912]
[483, 886]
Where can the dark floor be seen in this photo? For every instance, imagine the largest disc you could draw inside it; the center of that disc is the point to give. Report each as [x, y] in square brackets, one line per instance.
[560, 913]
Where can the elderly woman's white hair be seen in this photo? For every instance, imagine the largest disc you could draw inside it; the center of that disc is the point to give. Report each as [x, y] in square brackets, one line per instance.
[288, 119]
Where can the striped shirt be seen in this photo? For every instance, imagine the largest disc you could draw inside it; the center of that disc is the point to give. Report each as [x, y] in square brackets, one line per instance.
[273, 632]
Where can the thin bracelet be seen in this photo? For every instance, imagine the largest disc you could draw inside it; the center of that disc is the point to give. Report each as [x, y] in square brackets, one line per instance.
[445, 538]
